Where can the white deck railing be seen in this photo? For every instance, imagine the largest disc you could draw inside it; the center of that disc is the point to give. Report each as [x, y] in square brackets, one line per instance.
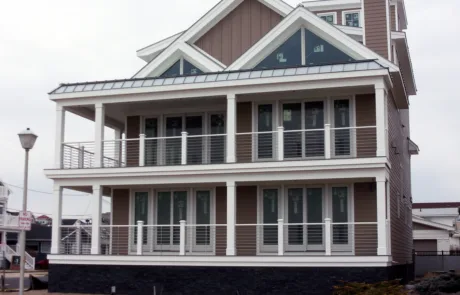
[322, 239]
[279, 145]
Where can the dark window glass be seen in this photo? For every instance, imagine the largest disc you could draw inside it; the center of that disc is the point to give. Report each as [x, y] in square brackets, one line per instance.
[295, 215]
[180, 213]
[141, 200]
[314, 119]
[173, 71]
[287, 55]
[217, 143]
[342, 120]
[315, 215]
[340, 214]
[190, 69]
[319, 51]
[194, 126]
[352, 19]
[292, 120]
[151, 145]
[203, 217]
[173, 145]
[265, 124]
[328, 18]
[270, 213]
[164, 218]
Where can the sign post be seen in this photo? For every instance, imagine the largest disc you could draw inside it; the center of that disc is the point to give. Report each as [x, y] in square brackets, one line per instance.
[25, 220]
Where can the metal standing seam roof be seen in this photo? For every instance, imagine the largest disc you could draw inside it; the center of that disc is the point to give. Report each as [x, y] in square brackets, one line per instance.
[363, 65]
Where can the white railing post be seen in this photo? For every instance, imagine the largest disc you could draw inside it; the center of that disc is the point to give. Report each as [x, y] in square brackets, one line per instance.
[327, 141]
[328, 236]
[280, 140]
[141, 150]
[78, 237]
[182, 238]
[280, 237]
[231, 128]
[184, 148]
[96, 209]
[140, 236]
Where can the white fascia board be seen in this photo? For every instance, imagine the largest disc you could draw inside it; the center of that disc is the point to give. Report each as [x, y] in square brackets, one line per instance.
[246, 86]
[302, 17]
[331, 5]
[278, 6]
[426, 222]
[174, 52]
[150, 52]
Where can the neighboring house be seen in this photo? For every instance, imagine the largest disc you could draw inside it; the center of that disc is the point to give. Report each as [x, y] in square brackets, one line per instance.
[44, 220]
[38, 239]
[435, 226]
[263, 147]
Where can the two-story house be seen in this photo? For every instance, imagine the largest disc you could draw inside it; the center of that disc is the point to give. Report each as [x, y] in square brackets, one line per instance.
[264, 150]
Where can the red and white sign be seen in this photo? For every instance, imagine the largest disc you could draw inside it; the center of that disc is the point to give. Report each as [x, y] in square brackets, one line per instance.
[25, 220]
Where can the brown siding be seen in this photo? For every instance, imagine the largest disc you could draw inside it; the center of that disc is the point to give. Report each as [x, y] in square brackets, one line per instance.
[393, 17]
[365, 211]
[376, 26]
[243, 125]
[132, 147]
[366, 139]
[426, 245]
[246, 213]
[221, 218]
[120, 216]
[238, 31]
[401, 231]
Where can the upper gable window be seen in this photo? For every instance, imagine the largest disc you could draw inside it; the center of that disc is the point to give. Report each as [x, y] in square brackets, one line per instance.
[181, 67]
[319, 51]
[289, 54]
[351, 18]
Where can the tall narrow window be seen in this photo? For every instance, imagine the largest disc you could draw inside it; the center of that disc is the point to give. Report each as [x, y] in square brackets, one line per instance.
[289, 54]
[340, 215]
[141, 200]
[270, 216]
[173, 146]
[194, 126]
[315, 215]
[217, 142]
[292, 123]
[171, 209]
[314, 120]
[295, 216]
[319, 51]
[341, 124]
[203, 217]
[151, 143]
[265, 126]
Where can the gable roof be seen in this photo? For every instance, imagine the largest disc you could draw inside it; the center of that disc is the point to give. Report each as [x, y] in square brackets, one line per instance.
[199, 28]
[421, 220]
[302, 17]
[149, 52]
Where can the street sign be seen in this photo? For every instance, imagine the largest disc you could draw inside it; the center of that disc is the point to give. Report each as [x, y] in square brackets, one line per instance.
[25, 220]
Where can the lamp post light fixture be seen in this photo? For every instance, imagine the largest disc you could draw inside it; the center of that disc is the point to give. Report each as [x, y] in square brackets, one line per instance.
[27, 139]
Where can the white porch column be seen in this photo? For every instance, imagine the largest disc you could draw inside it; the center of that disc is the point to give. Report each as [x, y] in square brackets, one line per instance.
[231, 128]
[60, 134]
[231, 218]
[99, 135]
[96, 204]
[381, 219]
[57, 220]
[380, 113]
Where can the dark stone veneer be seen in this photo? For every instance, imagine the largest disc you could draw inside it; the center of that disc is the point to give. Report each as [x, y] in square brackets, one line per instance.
[177, 280]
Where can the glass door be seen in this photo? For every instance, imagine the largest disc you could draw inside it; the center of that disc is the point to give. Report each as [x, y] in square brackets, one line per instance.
[194, 126]
[270, 217]
[173, 146]
[295, 219]
[265, 125]
[315, 215]
[217, 143]
[340, 214]
[292, 123]
[151, 145]
[171, 209]
[141, 200]
[342, 138]
[203, 239]
[314, 119]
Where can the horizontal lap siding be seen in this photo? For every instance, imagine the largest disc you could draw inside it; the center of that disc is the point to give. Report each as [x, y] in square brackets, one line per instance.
[246, 213]
[401, 226]
[376, 26]
[221, 218]
[120, 216]
[244, 125]
[365, 211]
[133, 130]
[366, 139]
[238, 31]
[393, 17]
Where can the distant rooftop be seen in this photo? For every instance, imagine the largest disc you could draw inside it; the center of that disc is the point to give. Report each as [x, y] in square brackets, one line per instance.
[435, 205]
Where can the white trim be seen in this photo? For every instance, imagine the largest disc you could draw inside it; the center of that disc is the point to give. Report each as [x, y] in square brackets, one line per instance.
[426, 222]
[301, 16]
[358, 11]
[333, 13]
[149, 52]
[242, 261]
[320, 5]
[278, 6]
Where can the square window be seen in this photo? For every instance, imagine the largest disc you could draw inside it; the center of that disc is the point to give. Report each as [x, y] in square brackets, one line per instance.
[328, 18]
[352, 19]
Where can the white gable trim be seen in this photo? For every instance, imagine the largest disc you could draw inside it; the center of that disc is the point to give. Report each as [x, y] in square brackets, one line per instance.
[209, 56]
[150, 52]
[421, 220]
[279, 6]
[170, 55]
[302, 17]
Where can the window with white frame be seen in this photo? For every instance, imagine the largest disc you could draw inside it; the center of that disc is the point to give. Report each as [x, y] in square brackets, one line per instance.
[181, 67]
[316, 51]
[328, 17]
[351, 18]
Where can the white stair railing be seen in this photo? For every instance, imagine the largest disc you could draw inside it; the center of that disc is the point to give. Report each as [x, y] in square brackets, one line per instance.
[10, 252]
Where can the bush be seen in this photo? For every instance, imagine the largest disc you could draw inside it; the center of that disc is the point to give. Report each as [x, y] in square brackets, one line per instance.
[381, 288]
[447, 283]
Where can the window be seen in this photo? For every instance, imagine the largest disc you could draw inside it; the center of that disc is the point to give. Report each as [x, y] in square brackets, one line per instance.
[141, 200]
[288, 54]
[351, 19]
[181, 67]
[340, 214]
[319, 51]
[342, 135]
[328, 17]
[265, 126]
[171, 209]
[270, 216]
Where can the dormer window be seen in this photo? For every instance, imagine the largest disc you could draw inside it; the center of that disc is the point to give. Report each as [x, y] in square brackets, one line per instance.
[330, 17]
[351, 18]
[289, 54]
[181, 67]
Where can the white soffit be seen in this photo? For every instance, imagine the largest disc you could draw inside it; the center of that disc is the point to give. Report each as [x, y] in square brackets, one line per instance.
[302, 17]
[322, 5]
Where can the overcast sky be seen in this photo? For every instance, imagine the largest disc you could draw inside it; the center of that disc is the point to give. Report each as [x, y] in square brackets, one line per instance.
[44, 43]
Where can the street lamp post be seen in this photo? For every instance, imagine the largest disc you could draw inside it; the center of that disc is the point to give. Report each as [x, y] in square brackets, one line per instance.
[27, 138]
